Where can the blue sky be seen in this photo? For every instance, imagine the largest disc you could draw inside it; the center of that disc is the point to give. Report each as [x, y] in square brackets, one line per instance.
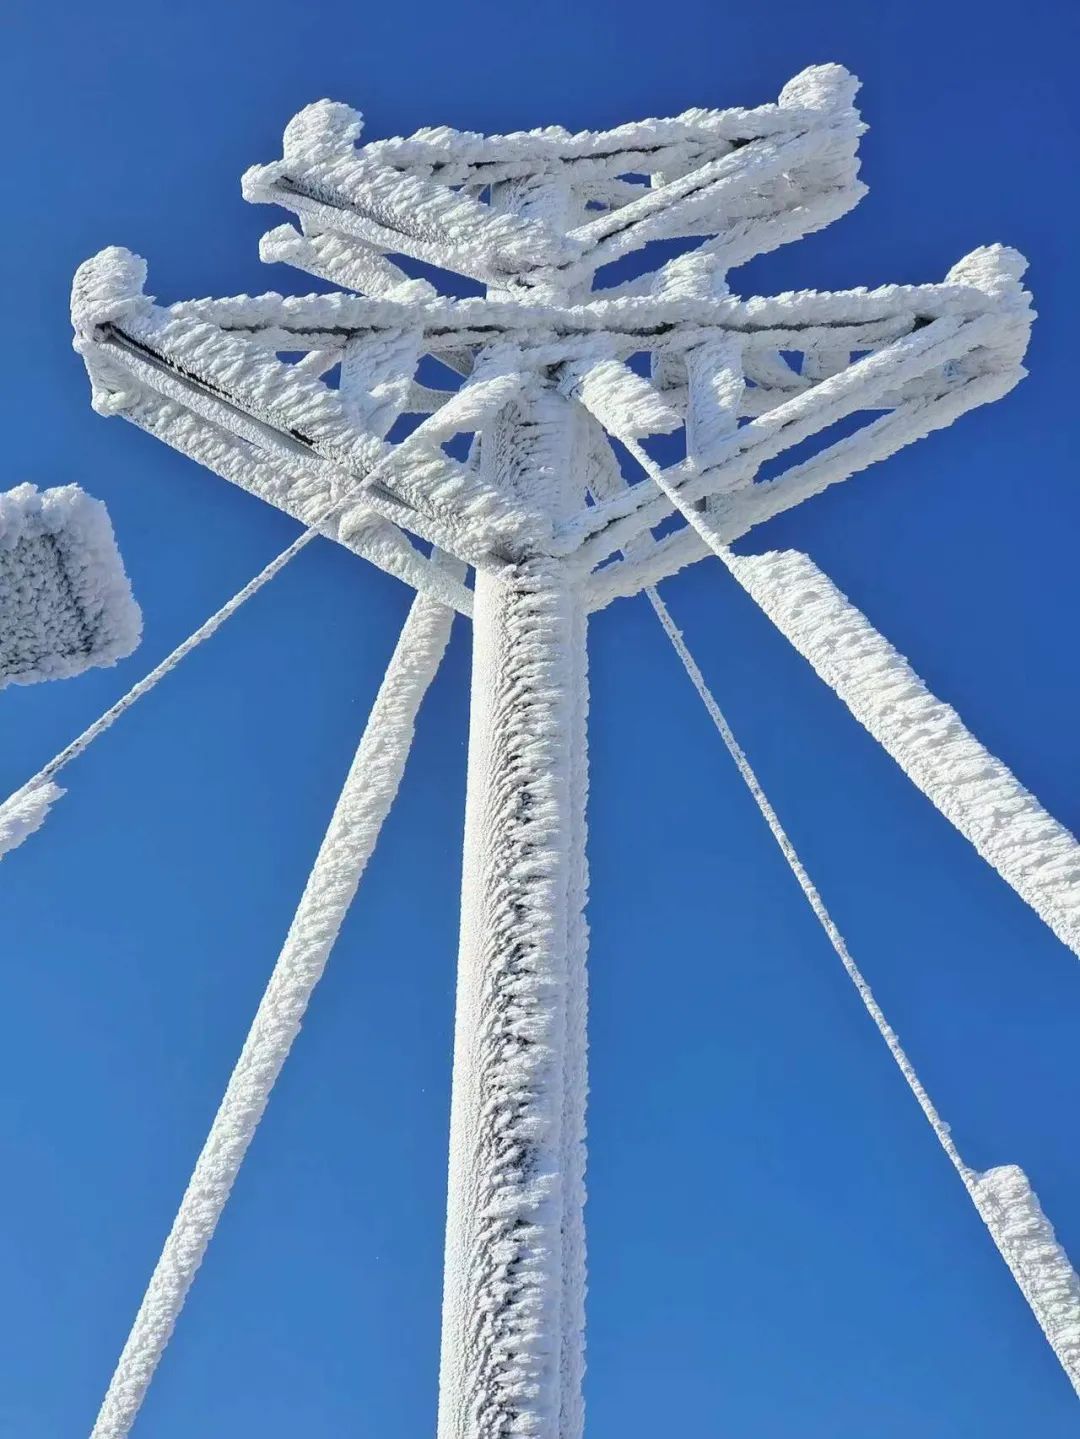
[777, 1245]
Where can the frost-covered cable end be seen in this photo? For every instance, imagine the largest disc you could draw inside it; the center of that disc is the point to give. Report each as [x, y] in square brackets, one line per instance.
[65, 601]
[25, 811]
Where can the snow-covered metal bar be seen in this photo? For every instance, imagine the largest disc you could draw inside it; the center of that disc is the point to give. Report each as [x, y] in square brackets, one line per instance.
[369, 791]
[343, 261]
[641, 146]
[976, 792]
[503, 1287]
[852, 319]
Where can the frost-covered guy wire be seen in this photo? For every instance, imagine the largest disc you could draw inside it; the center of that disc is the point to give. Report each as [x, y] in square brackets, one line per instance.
[26, 810]
[370, 787]
[1003, 1196]
[546, 359]
[23, 812]
[65, 606]
[1005, 823]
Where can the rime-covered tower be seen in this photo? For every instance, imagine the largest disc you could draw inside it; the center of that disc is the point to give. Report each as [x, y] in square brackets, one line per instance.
[355, 411]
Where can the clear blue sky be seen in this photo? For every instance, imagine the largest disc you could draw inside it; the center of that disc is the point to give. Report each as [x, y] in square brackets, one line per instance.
[777, 1245]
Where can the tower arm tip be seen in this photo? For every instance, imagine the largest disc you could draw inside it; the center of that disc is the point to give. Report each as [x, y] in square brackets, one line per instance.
[108, 287]
[821, 87]
[322, 130]
[995, 269]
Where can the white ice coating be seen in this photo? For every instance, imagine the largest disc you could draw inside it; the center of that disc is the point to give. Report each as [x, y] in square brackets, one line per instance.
[302, 491]
[762, 176]
[976, 792]
[232, 380]
[540, 371]
[1040, 1266]
[24, 812]
[734, 510]
[65, 601]
[369, 790]
[965, 354]
[332, 185]
[439, 498]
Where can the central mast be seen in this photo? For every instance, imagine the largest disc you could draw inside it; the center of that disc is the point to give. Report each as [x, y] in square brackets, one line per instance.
[514, 1289]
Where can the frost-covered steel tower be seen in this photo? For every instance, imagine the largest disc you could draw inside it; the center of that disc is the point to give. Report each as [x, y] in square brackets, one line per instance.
[294, 398]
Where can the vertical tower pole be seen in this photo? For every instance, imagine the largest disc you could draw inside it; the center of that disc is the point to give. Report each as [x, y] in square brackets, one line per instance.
[502, 1318]
[512, 1346]
[514, 1288]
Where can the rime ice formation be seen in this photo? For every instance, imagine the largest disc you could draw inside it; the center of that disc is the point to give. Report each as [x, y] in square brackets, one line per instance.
[370, 787]
[65, 601]
[397, 420]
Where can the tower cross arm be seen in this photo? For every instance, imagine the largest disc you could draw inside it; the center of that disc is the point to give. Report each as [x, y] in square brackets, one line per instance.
[919, 354]
[761, 176]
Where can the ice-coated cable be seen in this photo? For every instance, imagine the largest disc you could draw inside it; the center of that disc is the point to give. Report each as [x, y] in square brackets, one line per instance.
[24, 811]
[1002, 1196]
[1005, 823]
